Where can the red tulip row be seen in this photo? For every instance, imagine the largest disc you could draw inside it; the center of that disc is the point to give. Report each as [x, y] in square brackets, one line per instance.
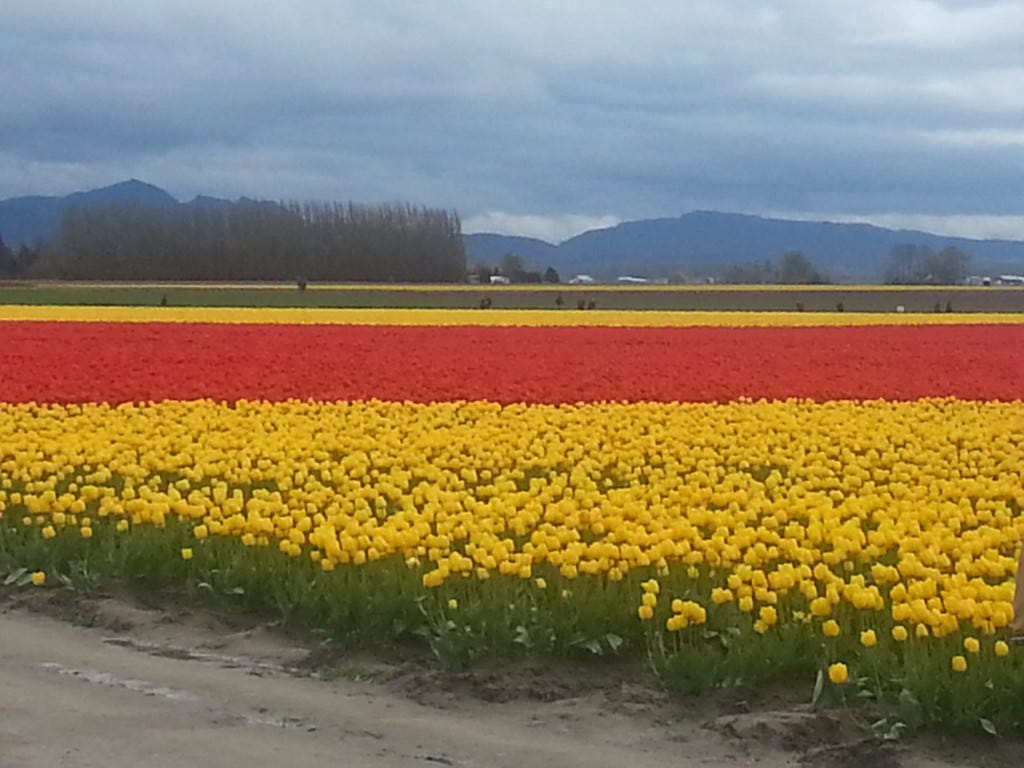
[115, 362]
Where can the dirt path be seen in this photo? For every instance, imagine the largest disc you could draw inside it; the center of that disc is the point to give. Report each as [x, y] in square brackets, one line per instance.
[139, 688]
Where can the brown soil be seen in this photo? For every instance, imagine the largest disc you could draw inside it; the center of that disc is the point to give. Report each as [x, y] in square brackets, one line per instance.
[124, 680]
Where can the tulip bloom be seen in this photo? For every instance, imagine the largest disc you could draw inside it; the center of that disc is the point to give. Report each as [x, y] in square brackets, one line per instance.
[838, 673]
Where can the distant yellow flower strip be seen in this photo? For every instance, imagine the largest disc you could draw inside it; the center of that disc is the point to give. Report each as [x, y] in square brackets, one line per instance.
[493, 317]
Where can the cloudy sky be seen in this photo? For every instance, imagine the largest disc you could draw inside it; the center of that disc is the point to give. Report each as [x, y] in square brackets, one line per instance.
[533, 117]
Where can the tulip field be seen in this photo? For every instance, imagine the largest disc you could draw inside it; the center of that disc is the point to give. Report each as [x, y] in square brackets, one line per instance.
[827, 501]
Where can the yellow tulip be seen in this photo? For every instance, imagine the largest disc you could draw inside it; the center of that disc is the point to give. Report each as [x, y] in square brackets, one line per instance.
[838, 673]
[651, 586]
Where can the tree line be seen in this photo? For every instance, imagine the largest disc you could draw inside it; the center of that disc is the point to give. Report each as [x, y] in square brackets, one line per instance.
[911, 264]
[253, 240]
[794, 269]
[908, 264]
[513, 267]
[15, 263]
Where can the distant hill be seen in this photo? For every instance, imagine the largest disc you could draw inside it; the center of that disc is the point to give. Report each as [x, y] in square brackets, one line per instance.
[490, 248]
[691, 243]
[30, 220]
[709, 240]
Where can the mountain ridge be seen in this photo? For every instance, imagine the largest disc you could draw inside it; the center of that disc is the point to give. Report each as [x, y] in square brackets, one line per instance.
[711, 240]
[33, 219]
[692, 243]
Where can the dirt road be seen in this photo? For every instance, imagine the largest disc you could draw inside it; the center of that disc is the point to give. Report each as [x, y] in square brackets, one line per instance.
[142, 689]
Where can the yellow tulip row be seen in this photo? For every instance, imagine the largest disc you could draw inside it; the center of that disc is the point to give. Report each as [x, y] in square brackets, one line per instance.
[912, 509]
[493, 317]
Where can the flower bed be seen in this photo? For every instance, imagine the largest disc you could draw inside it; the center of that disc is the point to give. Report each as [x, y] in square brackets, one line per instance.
[131, 362]
[840, 504]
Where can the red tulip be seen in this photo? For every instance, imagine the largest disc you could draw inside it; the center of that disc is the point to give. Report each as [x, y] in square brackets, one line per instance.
[120, 362]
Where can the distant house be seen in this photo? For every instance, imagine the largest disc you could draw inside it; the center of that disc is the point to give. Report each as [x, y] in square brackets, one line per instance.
[1011, 279]
[581, 280]
[499, 280]
[630, 280]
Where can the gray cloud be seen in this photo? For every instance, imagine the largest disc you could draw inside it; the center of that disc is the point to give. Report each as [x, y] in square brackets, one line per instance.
[544, 116]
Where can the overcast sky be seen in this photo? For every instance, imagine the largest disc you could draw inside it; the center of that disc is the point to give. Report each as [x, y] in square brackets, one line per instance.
[530, 117]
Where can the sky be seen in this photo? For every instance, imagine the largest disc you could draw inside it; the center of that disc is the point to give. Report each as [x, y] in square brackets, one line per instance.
[535, 117]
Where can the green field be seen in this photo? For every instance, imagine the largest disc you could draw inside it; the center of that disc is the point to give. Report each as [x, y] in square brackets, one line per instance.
[753, 298]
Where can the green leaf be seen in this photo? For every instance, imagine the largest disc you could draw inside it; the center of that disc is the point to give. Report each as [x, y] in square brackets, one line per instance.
[910, 707]
[522, 636]
[722, 637]
[16, 576]
[987, 726]
[895, 731]
[614, 641]
[819, 686]
[909, 700]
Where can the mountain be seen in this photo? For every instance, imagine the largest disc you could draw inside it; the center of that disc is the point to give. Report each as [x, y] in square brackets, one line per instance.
[708, 240]
[489, 248]
[695, 243]
[131, 192]
[30, 220]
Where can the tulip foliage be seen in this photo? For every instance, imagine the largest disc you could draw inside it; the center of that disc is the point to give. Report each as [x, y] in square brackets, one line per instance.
[737, 504]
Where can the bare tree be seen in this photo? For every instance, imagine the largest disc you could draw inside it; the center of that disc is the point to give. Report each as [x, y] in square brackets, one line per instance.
[257, 240]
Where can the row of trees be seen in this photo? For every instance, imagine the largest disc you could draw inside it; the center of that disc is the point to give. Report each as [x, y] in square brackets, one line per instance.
[793, 269]
[15, 263]
[251, 240]
[911, 264]
[514, 267]
[908, 264]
